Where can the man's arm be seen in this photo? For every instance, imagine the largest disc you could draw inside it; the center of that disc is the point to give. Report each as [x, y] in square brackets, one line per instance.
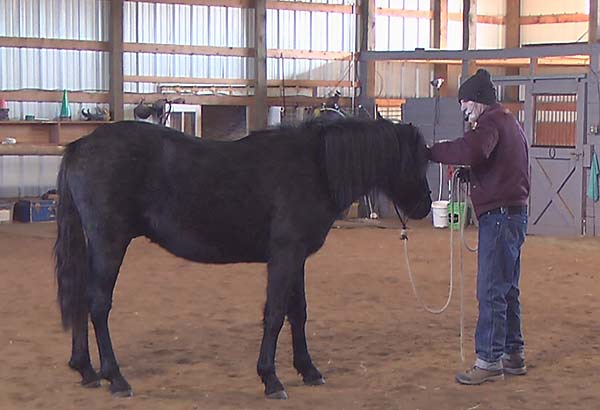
[473, 149]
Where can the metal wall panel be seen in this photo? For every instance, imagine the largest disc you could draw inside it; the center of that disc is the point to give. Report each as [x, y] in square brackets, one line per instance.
[449, 126]
[305, 30]
[186, 25]
[60, 19]
[394, 79]
[553, 33]
[53, 69]
[23, 176]
[533, 7]
[402, 33]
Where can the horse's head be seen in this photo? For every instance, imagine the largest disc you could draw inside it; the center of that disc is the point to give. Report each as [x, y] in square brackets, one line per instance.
[364, 154]
[408, 187]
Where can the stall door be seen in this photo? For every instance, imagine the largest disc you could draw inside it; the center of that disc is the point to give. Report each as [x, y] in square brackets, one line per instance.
[554, 124]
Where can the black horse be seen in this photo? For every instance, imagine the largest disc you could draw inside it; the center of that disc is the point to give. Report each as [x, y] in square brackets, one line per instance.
[271, 197]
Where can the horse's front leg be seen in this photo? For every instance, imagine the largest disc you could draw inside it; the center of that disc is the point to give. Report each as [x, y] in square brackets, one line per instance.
[297, 318]
[284, 264]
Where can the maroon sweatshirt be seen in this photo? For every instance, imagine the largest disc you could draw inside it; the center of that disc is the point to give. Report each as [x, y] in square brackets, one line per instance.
[497, 152]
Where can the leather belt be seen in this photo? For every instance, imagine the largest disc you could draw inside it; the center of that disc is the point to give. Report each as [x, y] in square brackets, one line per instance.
[510, 210]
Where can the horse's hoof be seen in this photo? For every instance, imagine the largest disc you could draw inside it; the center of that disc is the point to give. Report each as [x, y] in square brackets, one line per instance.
[122, 393]
[90, 384]
[278, 395]
[315, 382]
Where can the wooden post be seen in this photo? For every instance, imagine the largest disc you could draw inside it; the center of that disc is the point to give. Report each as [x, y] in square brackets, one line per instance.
[593, 109]
[366, 70]
[116, 60]
[469, 23]
[440, 24]
[440, 39]
[593, 22]
[258, 113]
[512, 39]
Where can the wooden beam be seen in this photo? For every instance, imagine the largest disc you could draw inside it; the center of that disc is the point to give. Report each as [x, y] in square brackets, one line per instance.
[134, 98]
[213, 3]
[55, 96]
[187, 80]
[555, 18]
[235, 81]
[469, 24]
[366, 70]
[593, 34]
[305, 6]
[116, 61]
[570, 61]
[187, 49]
[309, 54]
[528, 20]
[305, 101]
[440, 24]
[512, 39]
[390, 102]
[498, 20]
[311, 83]
[29, 149]
[271, 5]
[440, 38]
[29, 42]
[420, 14]
[233, 51]
[260, 109]
[533, 66]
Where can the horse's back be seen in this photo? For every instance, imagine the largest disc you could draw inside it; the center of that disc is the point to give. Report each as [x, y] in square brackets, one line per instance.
[203, 200]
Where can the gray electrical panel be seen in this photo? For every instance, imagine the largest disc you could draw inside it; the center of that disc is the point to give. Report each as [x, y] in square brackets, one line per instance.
[438, 119]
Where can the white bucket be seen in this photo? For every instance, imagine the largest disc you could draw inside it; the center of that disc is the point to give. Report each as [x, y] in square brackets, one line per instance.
[439, 210]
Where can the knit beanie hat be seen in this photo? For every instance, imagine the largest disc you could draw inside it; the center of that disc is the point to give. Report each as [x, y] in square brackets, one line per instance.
[478, 88]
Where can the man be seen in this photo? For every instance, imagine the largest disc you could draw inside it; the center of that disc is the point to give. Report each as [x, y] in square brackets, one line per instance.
[495, 148]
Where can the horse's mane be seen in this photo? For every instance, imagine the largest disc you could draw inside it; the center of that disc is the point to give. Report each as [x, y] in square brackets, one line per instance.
[359, 154]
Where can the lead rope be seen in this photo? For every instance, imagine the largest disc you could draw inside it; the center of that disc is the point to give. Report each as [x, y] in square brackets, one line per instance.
[404, 238]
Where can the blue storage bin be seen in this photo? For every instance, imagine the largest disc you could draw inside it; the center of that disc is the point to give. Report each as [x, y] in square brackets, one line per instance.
[41, 210]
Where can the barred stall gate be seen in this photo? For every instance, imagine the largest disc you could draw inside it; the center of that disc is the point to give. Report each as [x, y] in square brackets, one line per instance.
[552, 113]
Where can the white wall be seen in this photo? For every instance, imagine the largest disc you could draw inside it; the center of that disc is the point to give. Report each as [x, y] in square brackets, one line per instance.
[553, 33]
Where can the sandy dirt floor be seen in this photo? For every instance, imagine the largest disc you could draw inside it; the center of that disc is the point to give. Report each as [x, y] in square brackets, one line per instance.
[187, 335]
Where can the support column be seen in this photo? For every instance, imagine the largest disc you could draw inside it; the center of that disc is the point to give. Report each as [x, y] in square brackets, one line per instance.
[512, 39]
[440, 38]
[592, 137]
[366, 69]
[469, 24]
[115, 90]
[258, 113]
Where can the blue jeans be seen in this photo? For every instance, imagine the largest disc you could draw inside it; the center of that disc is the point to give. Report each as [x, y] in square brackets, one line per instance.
[499, 266]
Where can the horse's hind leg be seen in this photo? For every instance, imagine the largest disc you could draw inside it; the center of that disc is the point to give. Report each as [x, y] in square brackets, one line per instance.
[297, 318]
[105, 260]
[285, 262]
[80, 356]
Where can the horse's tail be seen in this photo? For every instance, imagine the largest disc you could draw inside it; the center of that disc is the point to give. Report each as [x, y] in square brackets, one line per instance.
[70, 251]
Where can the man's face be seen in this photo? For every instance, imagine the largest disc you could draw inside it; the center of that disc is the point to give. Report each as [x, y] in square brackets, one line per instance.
[471, 110]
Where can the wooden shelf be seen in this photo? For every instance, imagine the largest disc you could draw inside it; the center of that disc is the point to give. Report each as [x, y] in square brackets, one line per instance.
[28, 149]
[41, 132]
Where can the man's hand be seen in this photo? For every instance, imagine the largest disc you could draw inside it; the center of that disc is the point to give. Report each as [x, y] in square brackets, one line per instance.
[463, 174]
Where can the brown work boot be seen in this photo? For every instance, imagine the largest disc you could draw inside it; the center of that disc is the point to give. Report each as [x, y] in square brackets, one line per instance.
[475, 375]
[514, 364]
